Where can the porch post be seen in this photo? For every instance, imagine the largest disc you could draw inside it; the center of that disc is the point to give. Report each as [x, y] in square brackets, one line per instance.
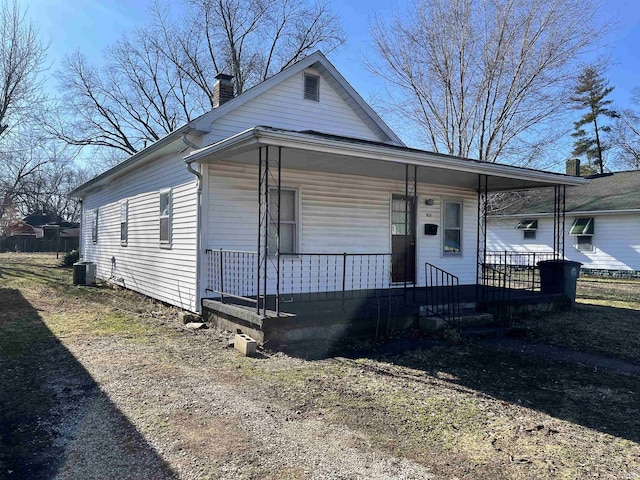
[410, 222]
[269, 176]
[406, 224]
[559, 207]
[481, 238]
[278, 234]
[265, 228]
[259, 270]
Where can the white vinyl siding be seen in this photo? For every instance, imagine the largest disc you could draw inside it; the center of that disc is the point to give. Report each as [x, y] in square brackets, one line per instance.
[615, 243]
[166, 274]
[339, 213]
[284, 106]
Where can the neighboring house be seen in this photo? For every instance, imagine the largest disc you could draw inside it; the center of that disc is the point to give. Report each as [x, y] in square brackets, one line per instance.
[601, 229]
[41, 232]
[294, 187]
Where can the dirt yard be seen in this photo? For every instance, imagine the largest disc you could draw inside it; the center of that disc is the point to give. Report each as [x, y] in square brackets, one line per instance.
[97, 383]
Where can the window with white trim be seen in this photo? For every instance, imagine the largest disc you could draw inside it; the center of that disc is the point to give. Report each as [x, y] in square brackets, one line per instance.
[94, 227]
[583, 229]
[288, 221]
[165, 217]
[124, 223]
[452, 227]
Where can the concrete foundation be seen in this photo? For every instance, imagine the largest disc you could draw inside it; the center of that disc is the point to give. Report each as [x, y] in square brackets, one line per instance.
[323, 322]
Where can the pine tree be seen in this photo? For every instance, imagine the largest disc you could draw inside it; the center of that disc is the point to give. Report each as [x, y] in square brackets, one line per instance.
[590, 93]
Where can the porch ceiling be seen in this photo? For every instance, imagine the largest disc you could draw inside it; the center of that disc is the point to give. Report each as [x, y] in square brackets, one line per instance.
[325, 153]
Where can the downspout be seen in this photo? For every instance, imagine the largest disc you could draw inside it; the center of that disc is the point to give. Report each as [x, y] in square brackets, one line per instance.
[198, 175]
[81, 237]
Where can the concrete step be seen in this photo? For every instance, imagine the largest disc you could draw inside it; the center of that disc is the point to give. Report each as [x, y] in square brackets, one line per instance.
[433, 323]
[486, 331]
[463, 308]
[476, 319]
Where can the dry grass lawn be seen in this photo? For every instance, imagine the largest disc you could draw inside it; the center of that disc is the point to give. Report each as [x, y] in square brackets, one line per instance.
[104, 384]
[606, 320]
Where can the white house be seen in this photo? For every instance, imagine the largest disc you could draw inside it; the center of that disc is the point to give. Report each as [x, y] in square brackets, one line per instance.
[601, 227]
[294, 187]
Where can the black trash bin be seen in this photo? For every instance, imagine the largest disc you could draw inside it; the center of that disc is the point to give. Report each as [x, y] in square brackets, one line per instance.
[559, 276]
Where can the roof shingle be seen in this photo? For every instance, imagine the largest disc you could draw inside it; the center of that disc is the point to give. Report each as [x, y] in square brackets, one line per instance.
[610, 191]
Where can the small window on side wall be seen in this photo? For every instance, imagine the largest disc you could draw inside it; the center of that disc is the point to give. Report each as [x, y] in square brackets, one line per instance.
[529, 234]
[165, 218]
[124, 223]
[94, 227]
[452, 231]
[583, 229]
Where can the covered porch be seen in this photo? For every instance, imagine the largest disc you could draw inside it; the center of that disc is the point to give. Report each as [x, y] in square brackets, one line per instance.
[420, 264]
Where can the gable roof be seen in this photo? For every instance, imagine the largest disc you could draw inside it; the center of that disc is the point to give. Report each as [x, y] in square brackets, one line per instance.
[203, 123]
[335, 79]
[609, 192]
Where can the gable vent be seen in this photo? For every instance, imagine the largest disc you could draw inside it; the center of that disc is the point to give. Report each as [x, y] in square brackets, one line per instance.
[311, 87]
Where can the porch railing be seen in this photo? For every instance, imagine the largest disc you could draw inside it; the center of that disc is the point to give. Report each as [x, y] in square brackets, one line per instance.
[496, 292]
[334, 274]
[302, 276]
[232, 273]
[520, 267]
[442, 295]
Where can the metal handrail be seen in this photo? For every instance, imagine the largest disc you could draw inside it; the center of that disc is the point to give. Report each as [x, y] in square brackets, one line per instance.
[442, 294]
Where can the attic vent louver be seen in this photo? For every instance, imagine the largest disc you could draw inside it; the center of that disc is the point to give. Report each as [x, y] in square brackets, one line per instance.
[311, 87]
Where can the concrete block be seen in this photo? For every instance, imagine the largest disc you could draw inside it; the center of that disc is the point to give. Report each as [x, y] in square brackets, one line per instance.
[187, 317]
[245, 345]
[195, 325]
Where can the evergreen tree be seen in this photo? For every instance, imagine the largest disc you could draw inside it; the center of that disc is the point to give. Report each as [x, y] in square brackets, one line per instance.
[590, 94]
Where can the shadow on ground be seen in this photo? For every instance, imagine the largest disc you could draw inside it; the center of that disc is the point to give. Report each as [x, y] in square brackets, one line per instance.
[602, 400]
[54, 418]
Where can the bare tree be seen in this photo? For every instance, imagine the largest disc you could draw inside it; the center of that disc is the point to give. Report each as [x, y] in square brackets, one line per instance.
[22, 58]
[481, 77]
[161, 76]
[625, 135]
[130, 102]
[37, 173]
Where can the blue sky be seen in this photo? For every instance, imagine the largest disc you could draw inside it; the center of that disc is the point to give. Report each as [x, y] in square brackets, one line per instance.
[91, 25]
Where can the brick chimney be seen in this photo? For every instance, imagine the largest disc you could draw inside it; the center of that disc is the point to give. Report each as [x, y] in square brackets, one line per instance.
[222, 90]
[573, 167]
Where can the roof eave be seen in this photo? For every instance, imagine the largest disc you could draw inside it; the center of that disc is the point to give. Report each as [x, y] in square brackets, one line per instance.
[573, 213]
[269, 137]
[130, 162]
